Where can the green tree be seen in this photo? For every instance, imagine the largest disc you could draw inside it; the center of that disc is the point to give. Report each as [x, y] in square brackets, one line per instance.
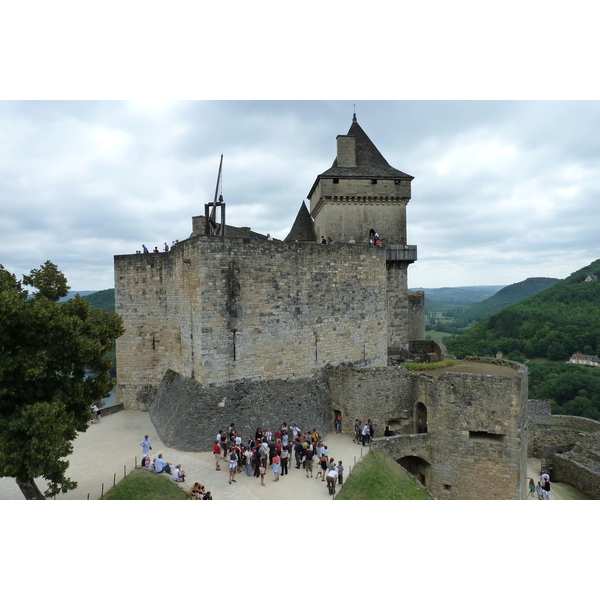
[53, 365]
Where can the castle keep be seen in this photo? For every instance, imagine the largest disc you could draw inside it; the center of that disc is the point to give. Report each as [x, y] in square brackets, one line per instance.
[236, 327]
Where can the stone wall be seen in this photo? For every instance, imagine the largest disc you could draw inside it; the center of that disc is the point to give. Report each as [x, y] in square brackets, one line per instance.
[479, 421]
[476, 424]
[396, 298]
[538, 412]
[187, 415]
[416, 315]
[352, 207]
[220, 310]
[586, 425]
[561, 435]
[581, 466]
[382, 395]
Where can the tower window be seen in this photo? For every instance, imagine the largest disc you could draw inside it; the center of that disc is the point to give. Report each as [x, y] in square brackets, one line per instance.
[336, 180]
[373, 181]
[485, 436]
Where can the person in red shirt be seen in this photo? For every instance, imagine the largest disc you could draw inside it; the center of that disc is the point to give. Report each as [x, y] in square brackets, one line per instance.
[217, 453]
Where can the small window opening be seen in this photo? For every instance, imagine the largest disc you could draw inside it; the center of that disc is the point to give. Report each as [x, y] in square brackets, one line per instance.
[485, 436]
[447, 486]
[373, 181]
[336, 180]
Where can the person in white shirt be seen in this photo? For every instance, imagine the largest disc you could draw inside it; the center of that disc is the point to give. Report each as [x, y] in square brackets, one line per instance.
[178, 474]
[161, 465]
[146, 445]
[332, 476]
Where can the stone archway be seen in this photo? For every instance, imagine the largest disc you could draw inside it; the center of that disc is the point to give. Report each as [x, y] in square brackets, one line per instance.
[337, 425]
[418, 467]
[420, 418]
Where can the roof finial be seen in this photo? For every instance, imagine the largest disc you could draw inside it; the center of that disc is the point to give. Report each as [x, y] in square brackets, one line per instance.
[354, 115]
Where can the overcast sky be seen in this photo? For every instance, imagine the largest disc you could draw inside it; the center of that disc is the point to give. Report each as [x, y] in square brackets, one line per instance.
[502, 190]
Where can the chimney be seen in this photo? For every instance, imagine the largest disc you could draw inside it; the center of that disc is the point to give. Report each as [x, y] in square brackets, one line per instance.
[346, 151]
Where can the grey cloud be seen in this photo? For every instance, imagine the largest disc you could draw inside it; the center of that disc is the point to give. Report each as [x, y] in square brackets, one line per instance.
[82, 181]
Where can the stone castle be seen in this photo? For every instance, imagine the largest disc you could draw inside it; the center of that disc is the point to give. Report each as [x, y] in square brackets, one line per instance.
[230, 326]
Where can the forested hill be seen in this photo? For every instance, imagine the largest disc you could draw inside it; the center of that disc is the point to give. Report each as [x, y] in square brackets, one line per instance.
[102, 299]
[553, 324]
[507, 296]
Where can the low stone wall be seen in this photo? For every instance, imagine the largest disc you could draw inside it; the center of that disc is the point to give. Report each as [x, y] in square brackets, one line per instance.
[112, 409]
[548, 441]
[188, 415]
[579, 470]
[564, 432]
[587, 425]
[404, 445]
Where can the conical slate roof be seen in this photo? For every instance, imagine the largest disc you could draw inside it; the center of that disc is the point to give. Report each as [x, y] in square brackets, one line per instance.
[303, 229]
[370, 163]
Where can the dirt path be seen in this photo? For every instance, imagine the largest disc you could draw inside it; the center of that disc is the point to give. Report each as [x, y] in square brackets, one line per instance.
[102, 453]
[105, 451]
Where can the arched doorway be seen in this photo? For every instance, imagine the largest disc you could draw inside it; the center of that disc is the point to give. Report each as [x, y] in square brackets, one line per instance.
[337, 421]
[421, 418]
[417, 467]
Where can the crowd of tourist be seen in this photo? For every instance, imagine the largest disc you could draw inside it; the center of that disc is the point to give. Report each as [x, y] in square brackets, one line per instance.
[279, 451]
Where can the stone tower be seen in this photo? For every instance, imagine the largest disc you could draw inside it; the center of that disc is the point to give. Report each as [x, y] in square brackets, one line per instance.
[361, 192]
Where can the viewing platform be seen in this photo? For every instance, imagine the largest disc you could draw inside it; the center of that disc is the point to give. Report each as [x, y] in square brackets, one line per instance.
[396, 252]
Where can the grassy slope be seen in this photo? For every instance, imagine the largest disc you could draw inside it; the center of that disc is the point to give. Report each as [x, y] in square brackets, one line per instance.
[378, 477]
[142, 484]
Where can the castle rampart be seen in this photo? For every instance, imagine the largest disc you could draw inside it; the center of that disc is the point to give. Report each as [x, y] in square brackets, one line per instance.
[225, 309]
